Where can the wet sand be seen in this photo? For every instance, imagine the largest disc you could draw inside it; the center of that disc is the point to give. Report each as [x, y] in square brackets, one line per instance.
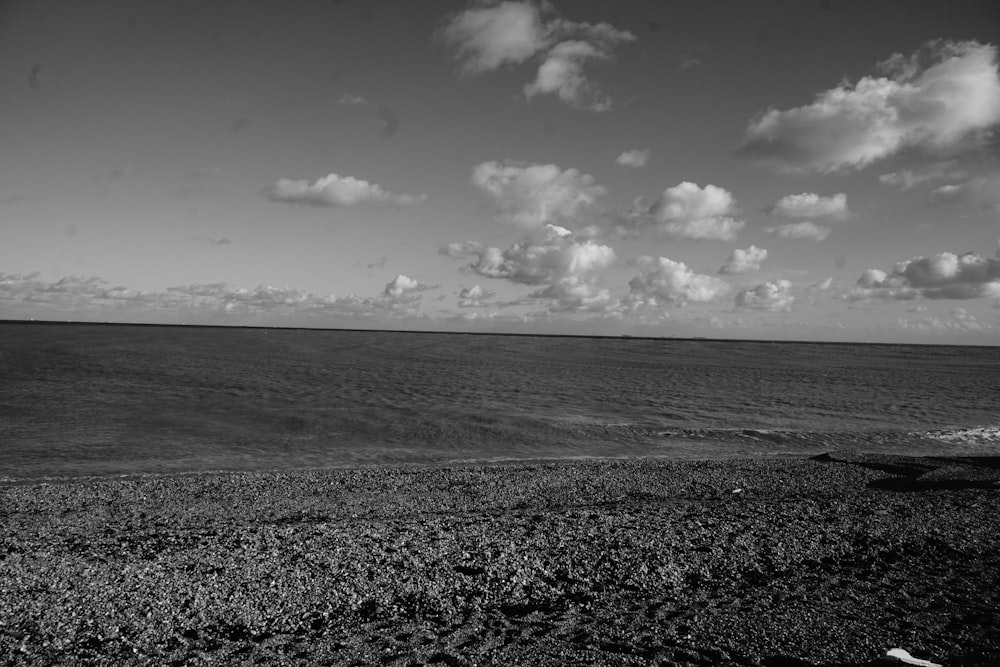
[829, 561]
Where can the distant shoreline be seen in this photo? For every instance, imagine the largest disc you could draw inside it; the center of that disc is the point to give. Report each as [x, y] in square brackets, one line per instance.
[696, 339]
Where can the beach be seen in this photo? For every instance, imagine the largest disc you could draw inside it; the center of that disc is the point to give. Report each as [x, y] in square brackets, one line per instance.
[826, 561]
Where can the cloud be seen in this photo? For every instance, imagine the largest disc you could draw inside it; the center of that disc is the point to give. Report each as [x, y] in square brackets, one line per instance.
[799, 230]
[809, 205]
[771, 296]
[461, 249]
[334, 190]
[489, 36]
[122, 172]
[941, 276]
[663, 281]
[388, 117]
[574, 294]
[744, 261]
[634, 158]
[404, 286]
[350, 99]
[689, 211]
[982, 192]
[533, 195]
[545, 259]
[941, 99]
[561, 266]
[486, 38]
[907, 179]
[211, 240]
[474, 297]
[390, 121]
[93, 298]
[562, 75]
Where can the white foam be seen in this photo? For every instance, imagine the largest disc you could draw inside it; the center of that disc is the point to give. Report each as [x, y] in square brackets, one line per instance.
[978, 435]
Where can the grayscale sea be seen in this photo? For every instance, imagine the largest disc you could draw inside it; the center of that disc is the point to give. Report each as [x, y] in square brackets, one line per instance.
[81, 400]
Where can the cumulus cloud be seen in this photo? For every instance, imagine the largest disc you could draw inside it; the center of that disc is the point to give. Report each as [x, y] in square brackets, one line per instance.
[744, 261]
[533, 195]
[404, 286]
[549, 257]
[489, 36]
[772, 296]
[474, 297]
[809, 205]
[634, 158]
[562, 267]
[941, 276]
[799, 230]
[334, 190]
[663, 281]
[943, 98]
[689, 211]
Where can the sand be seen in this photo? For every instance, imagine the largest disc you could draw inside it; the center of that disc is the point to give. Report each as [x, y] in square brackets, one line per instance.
[830, 561]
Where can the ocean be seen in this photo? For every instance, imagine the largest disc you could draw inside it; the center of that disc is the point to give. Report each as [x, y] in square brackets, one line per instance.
[86, 400]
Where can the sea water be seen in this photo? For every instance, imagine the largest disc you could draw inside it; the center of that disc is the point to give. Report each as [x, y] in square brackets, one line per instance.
[81, 400]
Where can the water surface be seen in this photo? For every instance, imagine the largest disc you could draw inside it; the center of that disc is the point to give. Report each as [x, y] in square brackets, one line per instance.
[107, 400]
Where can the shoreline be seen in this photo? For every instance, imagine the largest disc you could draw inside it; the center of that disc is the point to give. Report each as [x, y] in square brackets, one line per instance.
[829, 560]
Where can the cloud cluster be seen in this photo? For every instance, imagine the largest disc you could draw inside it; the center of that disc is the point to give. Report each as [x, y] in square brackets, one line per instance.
[941, 99]
[941, 276]
[634, 158]
[534, 195]
[771, 296]
[663, 282]
[692, 212]
[799, 230]
[93, 298]
[744, 261]
[474, 297]
[491, 35]
[334, 190]
[562, 266]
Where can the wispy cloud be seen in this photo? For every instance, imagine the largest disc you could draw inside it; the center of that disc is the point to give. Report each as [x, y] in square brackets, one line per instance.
[634, 158]
[810, 205]
[799, 230]
[334, 190]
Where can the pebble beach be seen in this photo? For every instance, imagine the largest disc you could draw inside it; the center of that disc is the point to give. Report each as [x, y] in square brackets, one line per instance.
[825, 561]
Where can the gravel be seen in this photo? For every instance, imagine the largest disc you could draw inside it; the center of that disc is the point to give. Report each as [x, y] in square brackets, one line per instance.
[828, 561]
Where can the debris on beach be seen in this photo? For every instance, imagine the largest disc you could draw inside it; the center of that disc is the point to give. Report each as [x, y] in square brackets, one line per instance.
[904, 657]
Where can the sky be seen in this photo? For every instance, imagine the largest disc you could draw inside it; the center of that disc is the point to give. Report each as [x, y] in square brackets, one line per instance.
[800, 170]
